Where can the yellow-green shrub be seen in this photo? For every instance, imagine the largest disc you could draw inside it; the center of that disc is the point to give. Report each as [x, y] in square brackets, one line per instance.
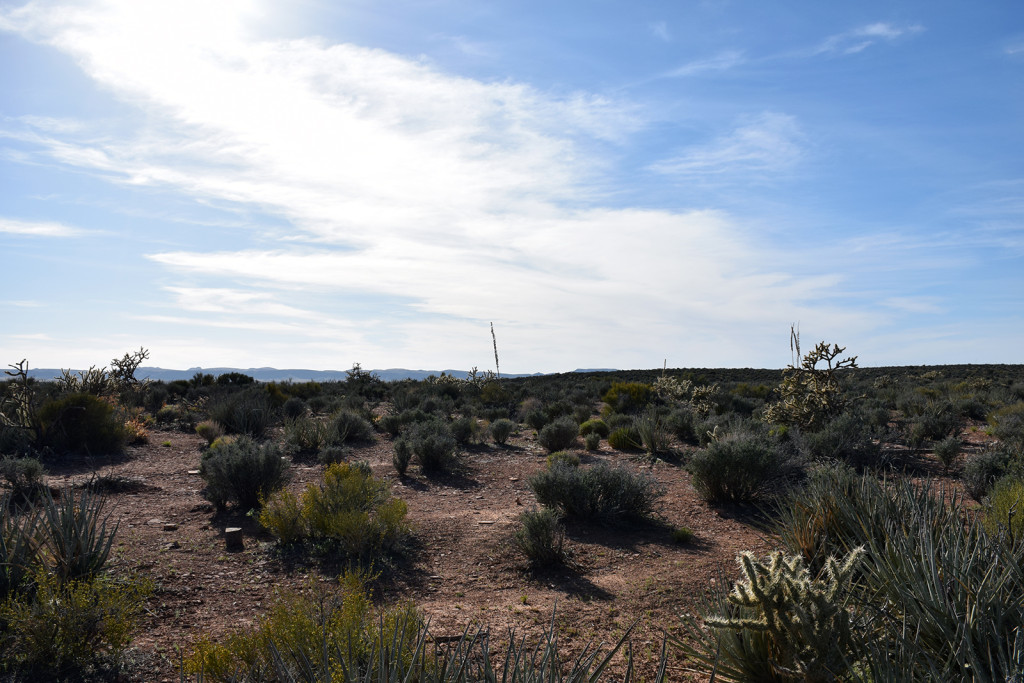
[1006, 508]
[351, 508]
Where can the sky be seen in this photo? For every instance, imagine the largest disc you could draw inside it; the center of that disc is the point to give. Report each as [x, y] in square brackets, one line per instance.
[612, 184]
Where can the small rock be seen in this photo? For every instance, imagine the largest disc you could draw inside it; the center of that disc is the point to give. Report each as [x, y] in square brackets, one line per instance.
[170, 526]
[193, 471]
[173, 545]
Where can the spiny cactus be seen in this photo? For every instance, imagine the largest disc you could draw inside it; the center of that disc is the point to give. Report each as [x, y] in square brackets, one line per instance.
[804, 618]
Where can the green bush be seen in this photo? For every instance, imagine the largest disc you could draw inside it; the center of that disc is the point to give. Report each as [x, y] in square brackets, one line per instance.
[1008, 426]
[736, 469]
[82, 423]
[347, 426]
[242, 472]
[846, 438]
[1005, 510]
[541, 538]
[305, 435]
[69, 627]
[624, 439]
[536, 419]
[947, 451]
[434, 446]
[209, 430]
[628, 397]
[465, 429]
[330, 455]
[501, 430]
[24, 476]
[294, 408]
[592, 441]
[351, 510]
[595, 426]
[570, 459]
[983, 470]
[250, 412]
[652, 433]
[401, 456]
[598, 493]
[559, 435]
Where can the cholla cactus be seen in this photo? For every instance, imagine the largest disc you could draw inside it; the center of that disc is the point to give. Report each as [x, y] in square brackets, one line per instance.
[804, 618]
[810, 394]
[670, 389]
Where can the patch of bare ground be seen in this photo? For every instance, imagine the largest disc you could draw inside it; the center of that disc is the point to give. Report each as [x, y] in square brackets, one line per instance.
[461, 568]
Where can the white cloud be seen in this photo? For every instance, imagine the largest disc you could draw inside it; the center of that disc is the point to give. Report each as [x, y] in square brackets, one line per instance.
[39, 228]
[863, 37]
[767, 143]
[659, 29]
[720, 62]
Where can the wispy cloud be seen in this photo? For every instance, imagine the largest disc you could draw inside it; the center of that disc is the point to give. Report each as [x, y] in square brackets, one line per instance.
[39, 229]
[863, 37]
[768, 142]
[659, 29]
[720, 62]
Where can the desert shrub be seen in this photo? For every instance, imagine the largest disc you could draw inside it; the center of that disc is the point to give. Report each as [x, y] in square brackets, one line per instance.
[536, 419]
[947, 451]
[936, 422]
[1008, 426]
[82, 423]
[242, 472]
[982, 471]
[736, 469]
[350, 510]
[69, 627]
[501, 430]
[74, 534]
[209, 430]
[653, 435]
[317, 635]
[628, 397]
[347, 426]
[1005, 510]
[18, 549]
[599, 493]
[169, 414]
[304, 435]
[684, 423]
[624, 439]
[401, 456]
[592, 441]
[564, 457]
[329, 455]
[294, 408]
[810, 395]
[558, 435]
[434, 446]
[541, 538]
[845, 438]
[465, 429]
[581, 413]
[24, 476]
[596, 426]
[682, 535]
[249, 412]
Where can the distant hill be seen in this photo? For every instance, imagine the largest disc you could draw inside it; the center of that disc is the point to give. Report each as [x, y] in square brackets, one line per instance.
[272, 374]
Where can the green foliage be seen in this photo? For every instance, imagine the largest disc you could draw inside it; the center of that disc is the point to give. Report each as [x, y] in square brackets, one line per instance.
[68, 627]
[465, 429]
[564, 457]
[82, 423]
[598, 493]
[781, 623]
[682, 535]
[983, 470]
[845, 438]
[536, 419]
[947, 451]
[1008, 426]
[628, 397]
[541, 538]
[74, 535]
[24, 476]
[294, 408]
[209, 430]
[242, 472]
[624, 439]
[249, 411]
[592, 441]
[347, 426]
[351, 510]
[1005, 510]
[559, 435]
[652, 432]
[434, 446]
[501, 430]
[737, 468]
[401, 456]
[305, 435]
[595, 426]
[810, 395]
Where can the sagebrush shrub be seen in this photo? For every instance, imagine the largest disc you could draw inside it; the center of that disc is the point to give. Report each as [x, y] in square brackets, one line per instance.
[559, 435]
[598, 493]
[541, 538]
[242, 472]
[947, 451]
[434, 446]
[250, 412]
[595, 426]
[983, 470]
[24, 476]
[735, 469]
[347, 426]
[501, 430]
[1005, 510]
[564, 457]
[624, 439]
[209, 430]
[846, 438]
[82, 423]
[305, 435]
[592, 441]
[465, 429]
[628, 397]
[401, 456]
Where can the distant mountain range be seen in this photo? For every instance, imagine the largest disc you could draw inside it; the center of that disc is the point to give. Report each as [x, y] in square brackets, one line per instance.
[276, 375]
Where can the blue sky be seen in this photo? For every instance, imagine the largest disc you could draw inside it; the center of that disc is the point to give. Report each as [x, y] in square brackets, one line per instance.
[612, 184]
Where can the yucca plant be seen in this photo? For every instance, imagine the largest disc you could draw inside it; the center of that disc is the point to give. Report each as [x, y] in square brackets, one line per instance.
[75, 535]
[18, 545]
